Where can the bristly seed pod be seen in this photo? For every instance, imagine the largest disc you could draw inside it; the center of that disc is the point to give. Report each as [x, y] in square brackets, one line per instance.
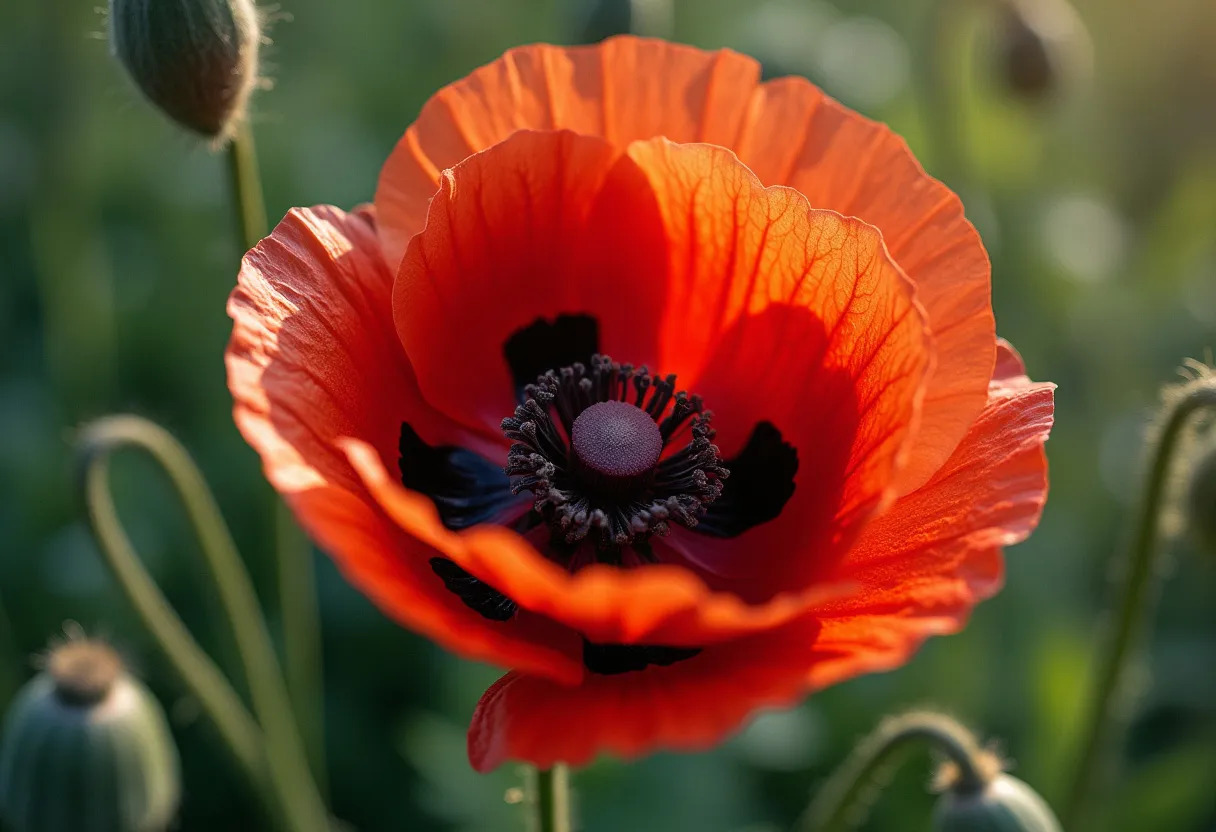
[86, 748]
[196, 60]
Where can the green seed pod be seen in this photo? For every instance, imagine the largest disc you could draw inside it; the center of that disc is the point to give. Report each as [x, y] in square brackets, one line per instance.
[1004, 804]
[196, 60]
[86, 748]
[1200, 506]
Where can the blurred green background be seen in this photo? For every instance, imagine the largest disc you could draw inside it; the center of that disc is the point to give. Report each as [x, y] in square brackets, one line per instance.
[1097, 202]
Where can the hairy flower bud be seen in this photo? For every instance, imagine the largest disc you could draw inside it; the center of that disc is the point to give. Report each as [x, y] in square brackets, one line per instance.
[1042, 45]
[1003, 804]
[196, 60]
[1200, 504]
[86, 748]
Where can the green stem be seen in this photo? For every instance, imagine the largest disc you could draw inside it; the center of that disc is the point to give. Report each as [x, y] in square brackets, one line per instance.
[294, 565]
[301, 636]
[1106, 714]
[551, 799]
[273, 755]
[246, 187]
[839, 804]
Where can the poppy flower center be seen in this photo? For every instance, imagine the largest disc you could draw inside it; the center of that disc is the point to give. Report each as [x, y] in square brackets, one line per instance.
[616, 446]
[590, 442]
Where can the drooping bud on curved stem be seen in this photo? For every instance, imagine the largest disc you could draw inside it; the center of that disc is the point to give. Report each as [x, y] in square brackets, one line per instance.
[841, 804]
[86, 748]
[196, 60]
[1138, 589]
[1005, 804]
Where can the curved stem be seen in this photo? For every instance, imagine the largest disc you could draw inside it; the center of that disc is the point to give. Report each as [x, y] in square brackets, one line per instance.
[839, 804]
[1105, 715]
[551, 799]
[273, 756]
[294, 564]
[205, 680]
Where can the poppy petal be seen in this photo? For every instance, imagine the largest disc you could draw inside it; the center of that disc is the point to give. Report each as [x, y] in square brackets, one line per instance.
[529, 230]
[605, 90]
[687, 706]
[936, 552]
[314, 356]
[840, 370]
[795, 135]
[795, 317]
[911, 589]
[786, 130]
[657, 604]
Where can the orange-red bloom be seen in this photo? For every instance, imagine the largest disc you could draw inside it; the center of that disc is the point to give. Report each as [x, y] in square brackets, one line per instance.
[428, 383]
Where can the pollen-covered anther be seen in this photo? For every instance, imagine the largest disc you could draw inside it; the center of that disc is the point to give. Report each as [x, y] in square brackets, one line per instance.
[589, 445]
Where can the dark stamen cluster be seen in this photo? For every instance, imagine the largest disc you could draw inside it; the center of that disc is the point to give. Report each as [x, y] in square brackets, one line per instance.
[610, 479]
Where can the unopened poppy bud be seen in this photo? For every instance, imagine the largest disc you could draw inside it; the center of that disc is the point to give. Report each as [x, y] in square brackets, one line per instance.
[196, 60]
[86, 748]
[1200, 504]
[1002, 804]
[1042, 45]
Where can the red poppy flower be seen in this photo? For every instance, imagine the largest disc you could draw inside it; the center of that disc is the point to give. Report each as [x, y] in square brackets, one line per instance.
[473, 395]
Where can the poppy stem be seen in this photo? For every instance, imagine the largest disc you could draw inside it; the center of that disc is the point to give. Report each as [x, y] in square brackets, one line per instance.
[844, 801]
[551, 798]
[1108, 711]
[247, 187]
[294, 565]
[270, 754]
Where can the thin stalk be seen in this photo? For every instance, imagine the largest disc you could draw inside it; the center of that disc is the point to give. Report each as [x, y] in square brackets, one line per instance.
[246, 188]
[551, 800]
[294, 565]
[840, 804]
[1105, 716]
[206, 682]
[273, 755]
[301, 636]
